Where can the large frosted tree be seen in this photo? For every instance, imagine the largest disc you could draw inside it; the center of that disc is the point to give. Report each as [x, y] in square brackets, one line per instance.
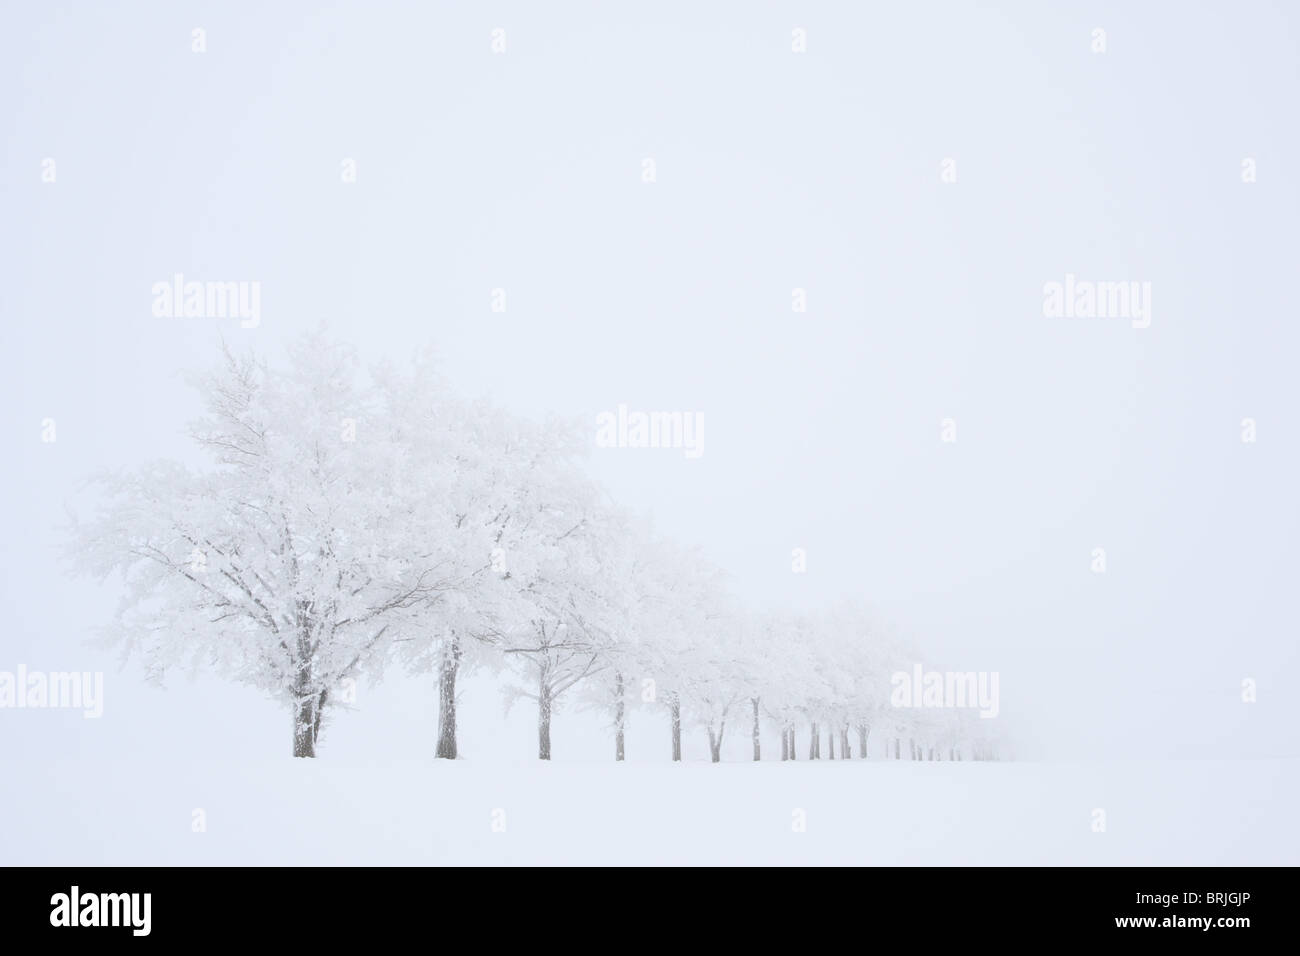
[292, 559]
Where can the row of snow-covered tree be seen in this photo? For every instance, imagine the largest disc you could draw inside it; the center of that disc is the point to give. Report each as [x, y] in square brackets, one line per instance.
[347, 522]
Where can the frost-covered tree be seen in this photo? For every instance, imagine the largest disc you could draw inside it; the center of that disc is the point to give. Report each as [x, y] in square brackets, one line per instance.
[682, 611]
[293, 559]
[563, 609]
[783, 672]
[633, 603]
[484, 474]
[717, 680]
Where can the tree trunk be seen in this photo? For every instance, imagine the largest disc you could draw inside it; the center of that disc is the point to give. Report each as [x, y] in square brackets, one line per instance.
[785, 743]
[758, 753]
[618, 717]
[813, 743]
[862, 741]
[306, 727]
[315, 724]
[543, 720]
[830, 742]
[846, 752]
[715, 742]
[308, 703]
[447, 700]
[677, 727]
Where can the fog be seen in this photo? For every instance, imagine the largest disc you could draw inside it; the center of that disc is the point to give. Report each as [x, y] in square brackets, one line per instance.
[773, 171]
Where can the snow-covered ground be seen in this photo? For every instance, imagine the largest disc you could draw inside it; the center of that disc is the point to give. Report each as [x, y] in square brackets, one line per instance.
[857, 812]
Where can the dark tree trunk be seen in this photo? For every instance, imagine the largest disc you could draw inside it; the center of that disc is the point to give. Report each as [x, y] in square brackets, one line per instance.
[846, 752]
[715, 742]
[794, 754]
[618, 717]
[448, 668]
[677, 727]
[862, 741]
[830, 742]
[308, 704]
[785, 743]
[306, 727]
[813, 743]
[758, 753]
[315, 724]
[543, 720]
